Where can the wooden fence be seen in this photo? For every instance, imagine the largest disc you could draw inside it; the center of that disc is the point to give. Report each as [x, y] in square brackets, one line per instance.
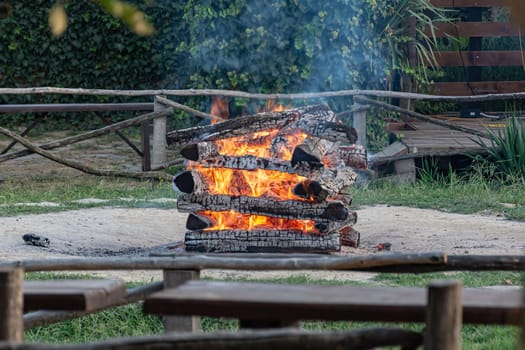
[443, 310]
[479, 22]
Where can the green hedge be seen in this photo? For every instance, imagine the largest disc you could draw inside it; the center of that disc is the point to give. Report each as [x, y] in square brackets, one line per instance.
[266, 46]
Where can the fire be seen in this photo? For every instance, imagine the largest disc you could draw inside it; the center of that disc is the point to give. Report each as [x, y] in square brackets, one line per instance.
[261, 144]
[230, 220]
[253, 183]
[220, 107]
[268, 144]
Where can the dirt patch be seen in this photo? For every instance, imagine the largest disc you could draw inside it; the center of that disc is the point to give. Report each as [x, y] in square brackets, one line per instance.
[136, 232]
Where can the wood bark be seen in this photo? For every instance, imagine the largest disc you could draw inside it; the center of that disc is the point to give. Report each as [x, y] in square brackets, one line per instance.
[261, 96]
[401, 262]
[261, 241]
[329, 183]
[422, 117]
[253, 163]
[310, 119]
[350, 237]
[353, 156]
[11, 305]
[196, 221]
[88, 135]
[236, 127]
[278, 339]
[173, 279]
[290, 209]
[82, 167]
[185, 108]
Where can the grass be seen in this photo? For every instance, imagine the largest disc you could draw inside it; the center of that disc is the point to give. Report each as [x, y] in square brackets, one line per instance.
[67, 191]
[453, 194]
[130, 321]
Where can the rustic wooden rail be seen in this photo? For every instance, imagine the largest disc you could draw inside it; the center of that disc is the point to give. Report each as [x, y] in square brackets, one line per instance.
[475, 27]
[179, 269]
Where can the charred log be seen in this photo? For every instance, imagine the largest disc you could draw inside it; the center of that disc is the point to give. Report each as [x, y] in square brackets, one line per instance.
[350, 237]
[235, 241]
[253, 163]
[328, 184]
[198, 222]
[290, 209]
[244, 125]
[354, 156]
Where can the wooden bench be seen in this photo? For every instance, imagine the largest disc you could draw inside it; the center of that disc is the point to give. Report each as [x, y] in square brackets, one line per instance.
[72, 295]
[282, 305]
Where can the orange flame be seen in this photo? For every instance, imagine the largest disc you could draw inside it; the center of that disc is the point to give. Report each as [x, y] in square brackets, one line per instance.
[254, 183]
[220, 107]
[230, 220]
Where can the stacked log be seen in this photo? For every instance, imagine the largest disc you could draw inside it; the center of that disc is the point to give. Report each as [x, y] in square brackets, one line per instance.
[316, 218]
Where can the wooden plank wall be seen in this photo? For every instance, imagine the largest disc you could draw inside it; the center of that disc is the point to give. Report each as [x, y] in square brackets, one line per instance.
[476, 27]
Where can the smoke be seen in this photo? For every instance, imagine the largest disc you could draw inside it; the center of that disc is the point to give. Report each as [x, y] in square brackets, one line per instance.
[286, 45]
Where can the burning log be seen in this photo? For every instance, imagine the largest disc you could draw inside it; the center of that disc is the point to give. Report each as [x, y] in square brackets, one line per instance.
[290, 209]
[254, 163]
[200, 221]
[329, 183]
[350, 237]
[261, 241]
[354, 156]
[310, 119]
[270, 182]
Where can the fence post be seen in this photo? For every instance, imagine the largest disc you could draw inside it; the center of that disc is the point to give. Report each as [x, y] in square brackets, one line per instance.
[172, 279]
[444, 315]
[11, 305]
[359, 122]
[159, 143]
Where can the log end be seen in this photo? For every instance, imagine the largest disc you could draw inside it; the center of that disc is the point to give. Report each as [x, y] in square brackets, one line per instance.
[190, 152]
[196, 222]
[310, 190]
[300, 155]
[184, 182]
[335, 211]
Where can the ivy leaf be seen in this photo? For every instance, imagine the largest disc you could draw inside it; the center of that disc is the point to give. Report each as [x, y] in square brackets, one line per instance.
[57, 20]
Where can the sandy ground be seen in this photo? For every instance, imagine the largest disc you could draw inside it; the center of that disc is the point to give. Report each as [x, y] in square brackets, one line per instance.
[136, 232]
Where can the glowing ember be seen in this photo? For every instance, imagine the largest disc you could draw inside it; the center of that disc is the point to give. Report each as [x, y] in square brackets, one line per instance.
[230, 220]
[253, 183]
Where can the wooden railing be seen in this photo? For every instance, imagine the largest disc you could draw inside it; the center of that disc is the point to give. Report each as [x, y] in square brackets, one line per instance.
[475, 57]
[182, 268]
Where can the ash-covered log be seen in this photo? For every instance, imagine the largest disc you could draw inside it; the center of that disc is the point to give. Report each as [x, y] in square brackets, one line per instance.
[310, 119]
[198, 221]
[290, 209]
[329, 183]
[354, 156]
[268, 241]
[253, 163]
[350, 237]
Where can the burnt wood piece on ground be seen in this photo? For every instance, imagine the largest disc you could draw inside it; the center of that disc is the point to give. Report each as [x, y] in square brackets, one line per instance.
[257, 241]
[290, 209]
[350, 237]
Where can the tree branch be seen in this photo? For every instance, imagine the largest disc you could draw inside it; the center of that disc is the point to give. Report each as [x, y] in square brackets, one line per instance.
[82, 167]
